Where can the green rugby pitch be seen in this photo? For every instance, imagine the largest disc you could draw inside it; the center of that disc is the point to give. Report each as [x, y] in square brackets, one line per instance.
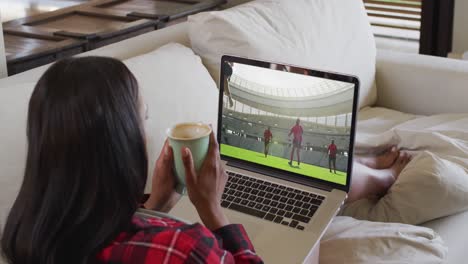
[280, 163]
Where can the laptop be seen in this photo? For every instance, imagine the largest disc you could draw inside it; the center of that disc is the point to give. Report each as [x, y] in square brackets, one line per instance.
[286, 135]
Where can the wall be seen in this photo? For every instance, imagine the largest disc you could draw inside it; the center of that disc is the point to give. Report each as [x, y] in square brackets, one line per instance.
[460, 30]
[3, 67]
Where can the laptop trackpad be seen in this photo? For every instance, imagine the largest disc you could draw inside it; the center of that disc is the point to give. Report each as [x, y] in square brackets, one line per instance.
[251, 224]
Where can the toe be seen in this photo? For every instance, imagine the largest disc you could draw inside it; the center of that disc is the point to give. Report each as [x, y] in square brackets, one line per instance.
[401, 158]
[393, 153]
[408, 158]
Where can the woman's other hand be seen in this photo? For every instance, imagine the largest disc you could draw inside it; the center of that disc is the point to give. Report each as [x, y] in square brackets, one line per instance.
[163, 195]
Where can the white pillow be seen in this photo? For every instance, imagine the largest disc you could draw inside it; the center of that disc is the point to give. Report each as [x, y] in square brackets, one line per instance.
[429, 187]
[177, 88]
[330, 35]
[350, 241]
[14, 102]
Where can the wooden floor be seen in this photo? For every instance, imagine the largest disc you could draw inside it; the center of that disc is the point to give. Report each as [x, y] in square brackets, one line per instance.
[13, 9]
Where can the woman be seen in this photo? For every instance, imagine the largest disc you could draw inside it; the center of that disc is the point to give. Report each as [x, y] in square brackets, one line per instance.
[86, 171]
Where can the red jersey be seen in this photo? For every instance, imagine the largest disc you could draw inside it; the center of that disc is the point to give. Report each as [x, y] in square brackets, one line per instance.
[297, 132]
[267, 135]
[332, 150]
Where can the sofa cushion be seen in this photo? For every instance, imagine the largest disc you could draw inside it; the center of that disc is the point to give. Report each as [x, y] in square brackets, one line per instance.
[331, 35]
[177, 88]
[453, 231]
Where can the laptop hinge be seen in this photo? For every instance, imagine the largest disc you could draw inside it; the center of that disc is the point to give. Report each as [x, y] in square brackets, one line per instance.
[282, 176]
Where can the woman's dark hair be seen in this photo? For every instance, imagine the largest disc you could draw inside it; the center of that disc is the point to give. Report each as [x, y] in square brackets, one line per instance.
[86, 165]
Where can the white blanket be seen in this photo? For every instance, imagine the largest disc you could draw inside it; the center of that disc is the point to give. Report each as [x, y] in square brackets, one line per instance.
[352, 241]
[434, 184]
[440, 134]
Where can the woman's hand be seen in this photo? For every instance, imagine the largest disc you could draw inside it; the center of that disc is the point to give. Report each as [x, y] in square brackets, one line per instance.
[163, 195]
[206, 188]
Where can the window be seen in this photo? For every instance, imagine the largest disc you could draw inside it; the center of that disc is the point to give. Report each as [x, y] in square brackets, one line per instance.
[419, 26]
[396, 23]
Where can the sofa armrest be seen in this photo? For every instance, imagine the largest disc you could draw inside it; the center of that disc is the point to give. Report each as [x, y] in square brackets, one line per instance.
[421, 84]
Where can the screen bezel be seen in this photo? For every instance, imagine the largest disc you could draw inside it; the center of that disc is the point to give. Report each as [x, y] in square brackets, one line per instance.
[278, 173]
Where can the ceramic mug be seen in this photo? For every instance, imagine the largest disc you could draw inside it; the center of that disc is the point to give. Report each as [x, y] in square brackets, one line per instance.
[194, 136]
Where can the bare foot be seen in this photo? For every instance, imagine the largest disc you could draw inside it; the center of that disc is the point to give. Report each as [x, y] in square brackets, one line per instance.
[382, 161]
[387, 177]
[368, 182]
[400, 164]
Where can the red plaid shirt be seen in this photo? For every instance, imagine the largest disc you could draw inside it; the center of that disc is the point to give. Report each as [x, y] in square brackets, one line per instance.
[164, 240]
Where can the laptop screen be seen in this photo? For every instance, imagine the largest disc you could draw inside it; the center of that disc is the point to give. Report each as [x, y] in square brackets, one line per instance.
[287, 118]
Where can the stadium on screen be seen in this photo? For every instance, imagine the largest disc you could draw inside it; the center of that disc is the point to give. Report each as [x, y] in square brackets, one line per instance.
[263, 98]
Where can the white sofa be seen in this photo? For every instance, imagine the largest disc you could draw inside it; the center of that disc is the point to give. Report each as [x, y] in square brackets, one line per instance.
[415, 84]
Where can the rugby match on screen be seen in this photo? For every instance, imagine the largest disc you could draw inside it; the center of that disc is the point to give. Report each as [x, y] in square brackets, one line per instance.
[287, 120]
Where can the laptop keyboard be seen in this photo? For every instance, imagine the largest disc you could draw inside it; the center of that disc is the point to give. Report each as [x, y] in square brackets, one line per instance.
[273, 202]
